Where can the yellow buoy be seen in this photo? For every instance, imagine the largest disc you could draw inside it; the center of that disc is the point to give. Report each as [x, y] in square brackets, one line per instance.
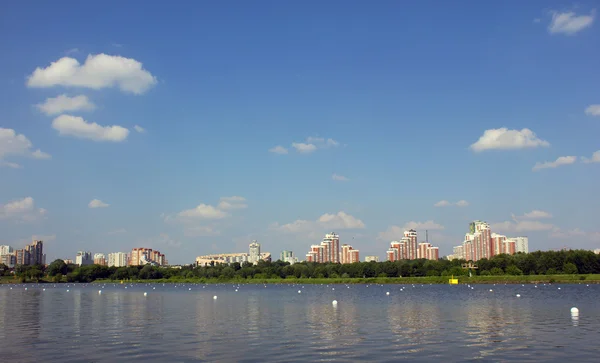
[453, 281]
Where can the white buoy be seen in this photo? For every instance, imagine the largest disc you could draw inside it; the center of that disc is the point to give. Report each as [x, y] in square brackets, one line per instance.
[67, 290]
[334, 302]
[299, 291]
[99, 291]
[387, 293]
[145, 294]
[518, 295]
[559, 288]
[154, 288]
[215, 297]
[574, 310]
[333, 288]
[43, 289]
[25, 288]
[491, 290]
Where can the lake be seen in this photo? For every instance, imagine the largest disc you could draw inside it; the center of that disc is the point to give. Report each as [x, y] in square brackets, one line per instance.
[275, 323]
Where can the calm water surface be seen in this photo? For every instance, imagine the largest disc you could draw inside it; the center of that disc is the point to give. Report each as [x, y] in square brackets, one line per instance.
[275, 323]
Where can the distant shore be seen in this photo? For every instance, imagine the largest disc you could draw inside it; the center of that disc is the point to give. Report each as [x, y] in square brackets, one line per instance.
[502, 279]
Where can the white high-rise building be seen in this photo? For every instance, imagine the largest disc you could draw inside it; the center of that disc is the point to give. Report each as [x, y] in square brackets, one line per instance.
[117, 259]
[5, 250]
[521, 244]
[254, 254]
[371, 258]
[84, 258]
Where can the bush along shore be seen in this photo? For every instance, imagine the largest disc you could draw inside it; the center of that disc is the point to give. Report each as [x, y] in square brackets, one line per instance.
[572, 266]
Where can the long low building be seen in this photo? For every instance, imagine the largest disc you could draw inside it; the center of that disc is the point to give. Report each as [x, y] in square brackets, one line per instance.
[229, 258]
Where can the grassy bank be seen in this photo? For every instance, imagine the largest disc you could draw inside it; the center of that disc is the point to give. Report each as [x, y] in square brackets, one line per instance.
[508, 279]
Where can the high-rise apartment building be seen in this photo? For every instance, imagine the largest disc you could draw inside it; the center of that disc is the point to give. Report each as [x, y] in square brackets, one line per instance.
[117, 259]
[83, 258]
[99, 259]
[349, 254]
[22, 257]
[327, 251]
[254, 252]
[371, 258]
[5, 250]
[481, 242]
[143, 256]
[408, 248]
[410, 237]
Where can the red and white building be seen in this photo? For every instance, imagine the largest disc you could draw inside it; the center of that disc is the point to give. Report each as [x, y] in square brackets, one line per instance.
[482, 243]
[408, 249]
[327, 251]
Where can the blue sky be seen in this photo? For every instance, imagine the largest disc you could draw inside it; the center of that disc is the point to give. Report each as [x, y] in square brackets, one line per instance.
[381, 111]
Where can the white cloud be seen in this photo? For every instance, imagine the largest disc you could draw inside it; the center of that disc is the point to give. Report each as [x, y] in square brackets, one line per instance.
[304, 148]
[62, 103]
[563, 160]
[535, 214]
[203, 211]
[338, 177]
[68, 125]
[139, 129]
[427, 225]
[235, 202]
[42, 237]
[569, 23]
[593, 110]
[97, 203]
[340, 220]
[13, 144]
[98, 71]
[462, 203]
[165, 239]
[521, 226]
[21, 210]
[278, 150]
[594, 159]
[311, 144]
[393, 233]
[442, 203]
[505, 139]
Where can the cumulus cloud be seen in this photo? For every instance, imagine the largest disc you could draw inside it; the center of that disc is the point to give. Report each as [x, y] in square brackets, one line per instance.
[594, 159]
[427, 225]
[64, 103]
[98, 71]
[505, 139]
[304, 148]
[13, 144]
[569, 23]
[68, 125]
[535, 214]
[593, 110]
[278, 150]
[521, 226]
[235, 202]
[139, 129]
[442, 203]
[21, 210]
[310, 145]
[563, 160]
[340, 220]
[203, 211]
[462, 203]
[338, 177]
[97, 203]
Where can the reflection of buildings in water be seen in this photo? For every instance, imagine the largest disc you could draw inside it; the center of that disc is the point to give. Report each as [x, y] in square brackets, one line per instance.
[334, 327]
[414, 322]
[498, 324]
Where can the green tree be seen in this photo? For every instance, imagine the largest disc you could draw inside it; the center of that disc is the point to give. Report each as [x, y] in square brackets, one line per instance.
[57, 267]
[569, 268]
[514, 270]
[496, 271]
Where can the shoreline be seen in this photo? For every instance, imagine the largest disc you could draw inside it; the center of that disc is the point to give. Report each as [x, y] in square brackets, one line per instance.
[438, 280]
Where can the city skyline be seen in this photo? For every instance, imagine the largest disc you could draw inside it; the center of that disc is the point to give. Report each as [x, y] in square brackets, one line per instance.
[285, 122]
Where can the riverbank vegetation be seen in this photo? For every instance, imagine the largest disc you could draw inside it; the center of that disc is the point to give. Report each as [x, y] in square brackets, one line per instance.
[547, 266]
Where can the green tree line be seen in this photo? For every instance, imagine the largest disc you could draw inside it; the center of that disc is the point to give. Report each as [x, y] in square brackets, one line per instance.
[535, 263]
